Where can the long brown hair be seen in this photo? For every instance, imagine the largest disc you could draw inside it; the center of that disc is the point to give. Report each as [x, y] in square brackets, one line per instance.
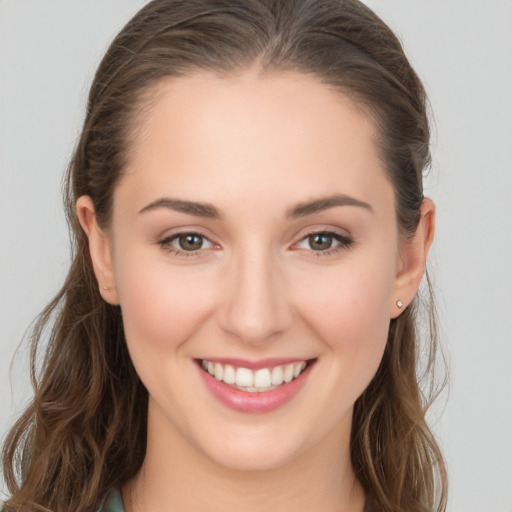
[85, 430]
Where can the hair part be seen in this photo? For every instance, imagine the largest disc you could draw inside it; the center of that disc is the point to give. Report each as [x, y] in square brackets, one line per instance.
[85, 429]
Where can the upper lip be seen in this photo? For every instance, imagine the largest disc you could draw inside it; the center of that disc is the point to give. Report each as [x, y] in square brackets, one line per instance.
[256, 364]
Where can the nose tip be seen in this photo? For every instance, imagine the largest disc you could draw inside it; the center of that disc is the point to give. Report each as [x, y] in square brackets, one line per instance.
[256, 309]
[253, 323]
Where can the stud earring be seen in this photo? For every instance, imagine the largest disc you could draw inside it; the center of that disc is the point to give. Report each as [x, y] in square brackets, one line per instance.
[106, 288]
[399, 304]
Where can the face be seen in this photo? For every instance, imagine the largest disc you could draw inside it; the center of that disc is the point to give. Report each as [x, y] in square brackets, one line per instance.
[253, 238]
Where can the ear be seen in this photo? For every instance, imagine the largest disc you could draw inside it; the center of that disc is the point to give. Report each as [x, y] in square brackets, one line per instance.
[100, 249]
[412, 259]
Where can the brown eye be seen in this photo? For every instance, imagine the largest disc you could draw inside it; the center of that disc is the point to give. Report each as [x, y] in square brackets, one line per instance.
[320, 241]
[325, 242]
[190, 242]
[187, 242]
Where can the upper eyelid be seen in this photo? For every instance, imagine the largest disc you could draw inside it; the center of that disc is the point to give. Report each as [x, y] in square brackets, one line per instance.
[171, 234]
[332, 234]
[327, 231]
[324, 232]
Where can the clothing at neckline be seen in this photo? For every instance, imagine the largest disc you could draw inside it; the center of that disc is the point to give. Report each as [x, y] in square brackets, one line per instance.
[112, 503]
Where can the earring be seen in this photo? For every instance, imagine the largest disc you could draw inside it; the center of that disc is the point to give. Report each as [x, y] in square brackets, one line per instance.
[106, 288]
[399, 304]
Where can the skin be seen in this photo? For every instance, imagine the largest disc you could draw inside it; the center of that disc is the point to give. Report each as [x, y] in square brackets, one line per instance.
[254, 147]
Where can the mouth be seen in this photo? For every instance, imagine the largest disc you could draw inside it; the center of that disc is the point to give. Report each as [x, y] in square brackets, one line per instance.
[255, 380]
[263, 387]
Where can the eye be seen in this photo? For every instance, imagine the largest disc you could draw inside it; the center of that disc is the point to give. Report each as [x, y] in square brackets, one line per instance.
[324, 242]
[188, 242]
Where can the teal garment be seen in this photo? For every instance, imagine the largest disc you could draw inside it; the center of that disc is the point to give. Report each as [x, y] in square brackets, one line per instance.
[112, 503]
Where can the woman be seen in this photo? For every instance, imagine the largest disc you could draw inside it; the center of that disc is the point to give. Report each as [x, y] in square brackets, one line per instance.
[238, 327]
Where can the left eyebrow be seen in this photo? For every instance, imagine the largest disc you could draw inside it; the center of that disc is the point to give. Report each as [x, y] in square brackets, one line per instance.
[324, 203]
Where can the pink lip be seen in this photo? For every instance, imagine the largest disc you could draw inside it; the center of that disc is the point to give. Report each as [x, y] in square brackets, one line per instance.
[256, 402]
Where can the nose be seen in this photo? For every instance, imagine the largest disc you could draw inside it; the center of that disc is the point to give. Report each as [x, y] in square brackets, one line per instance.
[255, 307]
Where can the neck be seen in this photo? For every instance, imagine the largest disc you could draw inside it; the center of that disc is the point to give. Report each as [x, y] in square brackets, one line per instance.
[176, 476]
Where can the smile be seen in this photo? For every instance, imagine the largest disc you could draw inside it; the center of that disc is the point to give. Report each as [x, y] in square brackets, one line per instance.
[264, 387]
[263, 379]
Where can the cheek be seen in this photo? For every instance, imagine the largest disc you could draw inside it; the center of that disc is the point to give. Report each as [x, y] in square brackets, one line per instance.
[349, 310]
[162, 305]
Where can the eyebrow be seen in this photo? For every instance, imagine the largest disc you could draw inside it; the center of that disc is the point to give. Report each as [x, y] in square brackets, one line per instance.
[207, 210]
[180, 205]
[324, 203]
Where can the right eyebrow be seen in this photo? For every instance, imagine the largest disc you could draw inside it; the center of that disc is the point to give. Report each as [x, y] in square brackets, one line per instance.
[190, 207]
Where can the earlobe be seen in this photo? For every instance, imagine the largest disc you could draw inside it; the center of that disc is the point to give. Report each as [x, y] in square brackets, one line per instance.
[99, 249]
[413, 258]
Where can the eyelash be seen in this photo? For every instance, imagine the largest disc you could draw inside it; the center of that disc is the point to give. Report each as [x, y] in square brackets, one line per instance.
[344, 243]
[166, 242]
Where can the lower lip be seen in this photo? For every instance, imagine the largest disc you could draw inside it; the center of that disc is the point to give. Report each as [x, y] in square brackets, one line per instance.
[254, 402]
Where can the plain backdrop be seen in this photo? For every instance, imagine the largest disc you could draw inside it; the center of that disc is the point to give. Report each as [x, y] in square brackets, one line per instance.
[462, 49]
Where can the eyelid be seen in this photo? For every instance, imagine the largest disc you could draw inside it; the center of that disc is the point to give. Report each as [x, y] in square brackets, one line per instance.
[166, 241]
[324, 228]
[345, 241]
[184, 230]
[176, 237]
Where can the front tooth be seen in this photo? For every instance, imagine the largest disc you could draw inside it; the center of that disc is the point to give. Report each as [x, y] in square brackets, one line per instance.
[211, 368]
[218, 371]
[229, 374]
[262, 378]
[298, 367]
[288, 373]
[244, 378]
[277, 376]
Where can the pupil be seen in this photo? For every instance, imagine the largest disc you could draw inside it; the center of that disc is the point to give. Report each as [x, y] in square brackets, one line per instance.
[191, 242]
[320, 242]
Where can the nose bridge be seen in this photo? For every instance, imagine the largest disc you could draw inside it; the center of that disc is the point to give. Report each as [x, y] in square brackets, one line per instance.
[256, 307]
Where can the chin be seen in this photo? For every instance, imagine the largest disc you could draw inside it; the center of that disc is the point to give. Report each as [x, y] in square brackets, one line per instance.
[264, 447]
[255, 458]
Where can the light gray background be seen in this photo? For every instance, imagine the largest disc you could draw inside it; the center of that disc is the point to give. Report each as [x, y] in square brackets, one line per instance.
[463, 51]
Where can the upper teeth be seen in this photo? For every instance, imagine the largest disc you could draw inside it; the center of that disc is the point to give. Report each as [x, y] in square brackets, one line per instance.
[263, 379]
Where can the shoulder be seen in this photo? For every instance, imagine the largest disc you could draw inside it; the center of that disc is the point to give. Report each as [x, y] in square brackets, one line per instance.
[112, 503]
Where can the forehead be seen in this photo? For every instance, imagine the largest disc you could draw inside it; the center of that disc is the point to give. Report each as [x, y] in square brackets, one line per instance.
[249, 133]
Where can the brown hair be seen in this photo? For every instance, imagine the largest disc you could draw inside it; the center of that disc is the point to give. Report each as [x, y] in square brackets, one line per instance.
[85, 429]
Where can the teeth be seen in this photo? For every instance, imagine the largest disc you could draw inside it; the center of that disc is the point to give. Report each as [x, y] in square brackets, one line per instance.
[244, 378]
[277, 376]
[288, 373]
[218, 371]
[259, 390]
[229, 374]
[264, 379]
[297, 369]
